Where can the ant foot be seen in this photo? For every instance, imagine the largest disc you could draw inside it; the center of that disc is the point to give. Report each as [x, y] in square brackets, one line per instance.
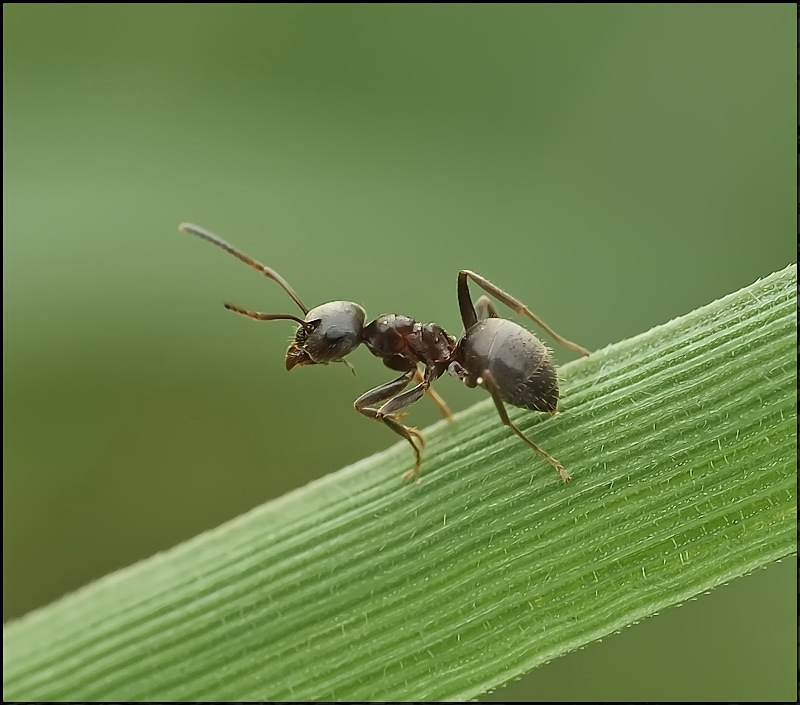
[410, 475]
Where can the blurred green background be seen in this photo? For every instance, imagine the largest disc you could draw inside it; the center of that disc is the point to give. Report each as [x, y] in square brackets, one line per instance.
[612, 166]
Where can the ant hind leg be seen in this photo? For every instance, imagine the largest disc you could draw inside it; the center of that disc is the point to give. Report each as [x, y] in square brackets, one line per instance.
[484, 306]
[469, 315]
[491, 386]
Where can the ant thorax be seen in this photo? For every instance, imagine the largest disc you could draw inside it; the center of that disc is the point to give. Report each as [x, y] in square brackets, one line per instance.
[391, 336]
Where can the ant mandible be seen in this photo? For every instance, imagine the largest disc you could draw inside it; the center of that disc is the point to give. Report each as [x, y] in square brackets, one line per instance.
[504, 358]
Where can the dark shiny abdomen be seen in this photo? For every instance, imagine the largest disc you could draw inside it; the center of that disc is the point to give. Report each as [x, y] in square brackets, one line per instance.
[519, 362]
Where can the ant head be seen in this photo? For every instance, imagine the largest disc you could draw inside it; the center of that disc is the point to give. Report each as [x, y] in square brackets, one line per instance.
[330, 333]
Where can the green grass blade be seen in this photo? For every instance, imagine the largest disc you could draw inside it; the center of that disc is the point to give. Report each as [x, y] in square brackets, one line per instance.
[682, 444]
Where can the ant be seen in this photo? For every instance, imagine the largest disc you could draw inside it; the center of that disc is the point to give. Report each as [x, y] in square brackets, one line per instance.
[504, 358]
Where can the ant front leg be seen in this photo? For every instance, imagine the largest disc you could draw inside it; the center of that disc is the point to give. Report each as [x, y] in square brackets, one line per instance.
[489, 383]
[389, 410]
[364, 405]
[470, 317]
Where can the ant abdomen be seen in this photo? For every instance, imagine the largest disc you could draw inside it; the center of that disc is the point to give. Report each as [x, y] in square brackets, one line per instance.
[517, 360]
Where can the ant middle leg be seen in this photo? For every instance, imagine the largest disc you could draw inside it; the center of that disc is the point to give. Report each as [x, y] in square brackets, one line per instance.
[469, 314]
[441, 404]
[491, 386]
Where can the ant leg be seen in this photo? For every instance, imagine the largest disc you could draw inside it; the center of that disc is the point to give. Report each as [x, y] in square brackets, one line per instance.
[508, 300]
[483, 306]
[435, 398]
[392, 406]
[491, 386]
[380, 394]
[469, 317]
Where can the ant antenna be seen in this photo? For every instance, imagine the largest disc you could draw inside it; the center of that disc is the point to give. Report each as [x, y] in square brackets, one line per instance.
[266, 271]
[258, 316]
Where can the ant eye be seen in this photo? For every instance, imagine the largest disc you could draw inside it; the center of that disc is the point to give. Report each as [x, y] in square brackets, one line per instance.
[334, 335]
[302, 332]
